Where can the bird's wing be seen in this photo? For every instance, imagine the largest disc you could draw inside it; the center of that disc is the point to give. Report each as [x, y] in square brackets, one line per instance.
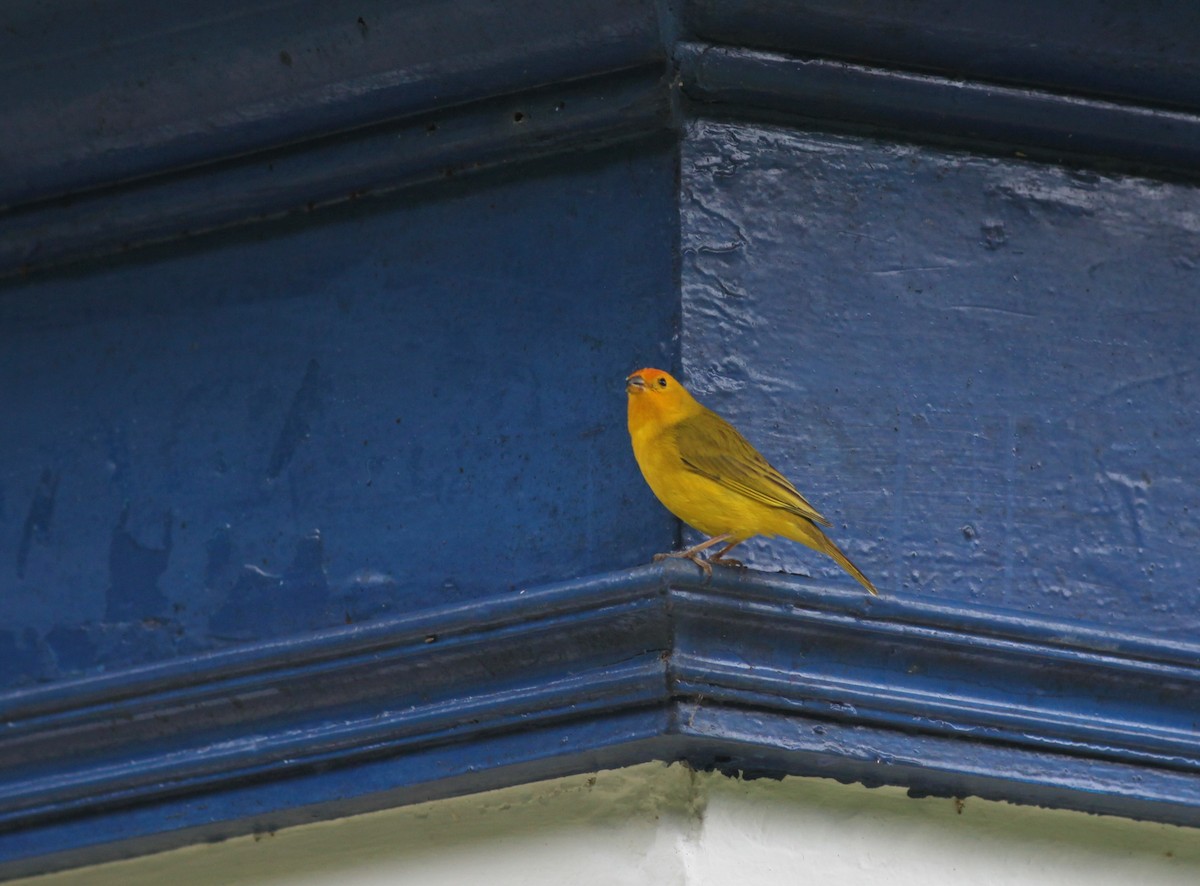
[711, 446]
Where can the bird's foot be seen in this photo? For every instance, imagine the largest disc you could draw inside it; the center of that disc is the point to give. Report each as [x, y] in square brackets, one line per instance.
[694, 556]
[727, 561]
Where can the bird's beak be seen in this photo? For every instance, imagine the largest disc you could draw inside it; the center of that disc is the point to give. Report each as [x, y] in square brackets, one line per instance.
[635, 383]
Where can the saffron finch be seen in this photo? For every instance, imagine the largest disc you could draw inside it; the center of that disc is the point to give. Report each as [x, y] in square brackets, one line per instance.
[710, 477]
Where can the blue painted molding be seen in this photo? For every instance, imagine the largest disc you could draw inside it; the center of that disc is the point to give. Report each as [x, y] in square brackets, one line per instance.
[280, 109]
[761, 673]
[438, 146]
[1037, 123]
[139, 90]
[173, 122]
[1147, 54]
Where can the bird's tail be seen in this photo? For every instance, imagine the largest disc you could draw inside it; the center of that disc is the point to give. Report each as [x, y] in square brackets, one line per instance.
[825, 546]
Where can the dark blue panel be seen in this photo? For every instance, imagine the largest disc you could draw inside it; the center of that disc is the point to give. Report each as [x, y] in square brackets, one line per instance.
[982, 370]
[138, 87]
[379, 408]
[1142, 52]
[441, 145]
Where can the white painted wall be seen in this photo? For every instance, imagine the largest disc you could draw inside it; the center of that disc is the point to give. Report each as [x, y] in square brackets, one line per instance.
[653, 824]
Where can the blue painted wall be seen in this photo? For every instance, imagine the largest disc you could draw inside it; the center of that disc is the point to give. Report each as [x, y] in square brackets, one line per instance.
[982, 370]
[402, 403]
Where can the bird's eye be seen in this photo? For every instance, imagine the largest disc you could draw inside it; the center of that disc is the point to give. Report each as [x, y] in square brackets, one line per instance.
[662, 382]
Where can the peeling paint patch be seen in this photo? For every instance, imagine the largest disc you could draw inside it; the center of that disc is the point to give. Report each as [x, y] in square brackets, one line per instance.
[367, 594]
[37, 521]
[218, 552]
[74, 647]
[21, 658]
[297, 424]
[1132, 494]
[133, 574]
[265, 604]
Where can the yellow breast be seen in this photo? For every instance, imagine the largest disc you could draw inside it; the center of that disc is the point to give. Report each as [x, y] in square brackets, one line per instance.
[695, 499]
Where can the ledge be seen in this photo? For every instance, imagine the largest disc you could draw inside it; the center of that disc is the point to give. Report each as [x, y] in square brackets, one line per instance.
[1044, 125]
[173, 121]
[606, 109]
[1112, 49]
[139, 89]
[764, 674]
[286, 107]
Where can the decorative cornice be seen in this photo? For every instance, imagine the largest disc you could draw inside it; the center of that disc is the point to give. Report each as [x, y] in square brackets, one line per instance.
[325, 169]
[1139, 54]
[980, 115]
[767, 674]
[244, 128]
[129, 89]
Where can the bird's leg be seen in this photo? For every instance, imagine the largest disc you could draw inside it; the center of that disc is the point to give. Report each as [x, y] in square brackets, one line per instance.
[721, 560]
[693, 553]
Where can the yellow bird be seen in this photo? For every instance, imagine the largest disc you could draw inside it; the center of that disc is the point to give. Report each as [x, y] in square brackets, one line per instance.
[710, 477]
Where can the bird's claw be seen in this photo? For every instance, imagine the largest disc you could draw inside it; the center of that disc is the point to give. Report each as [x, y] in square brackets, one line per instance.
[703, 564]
[687, 555]
[727, 561]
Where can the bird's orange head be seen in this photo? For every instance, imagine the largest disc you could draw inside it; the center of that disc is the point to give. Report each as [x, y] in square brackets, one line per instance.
[656, 397]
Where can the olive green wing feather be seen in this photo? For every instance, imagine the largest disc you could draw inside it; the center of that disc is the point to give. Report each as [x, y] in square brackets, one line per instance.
[712, 447]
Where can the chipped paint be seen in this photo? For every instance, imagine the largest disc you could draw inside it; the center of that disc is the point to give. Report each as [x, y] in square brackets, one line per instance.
[37, 520]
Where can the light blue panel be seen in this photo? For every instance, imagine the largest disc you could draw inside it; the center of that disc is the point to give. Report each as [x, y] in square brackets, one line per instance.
[982, 370]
